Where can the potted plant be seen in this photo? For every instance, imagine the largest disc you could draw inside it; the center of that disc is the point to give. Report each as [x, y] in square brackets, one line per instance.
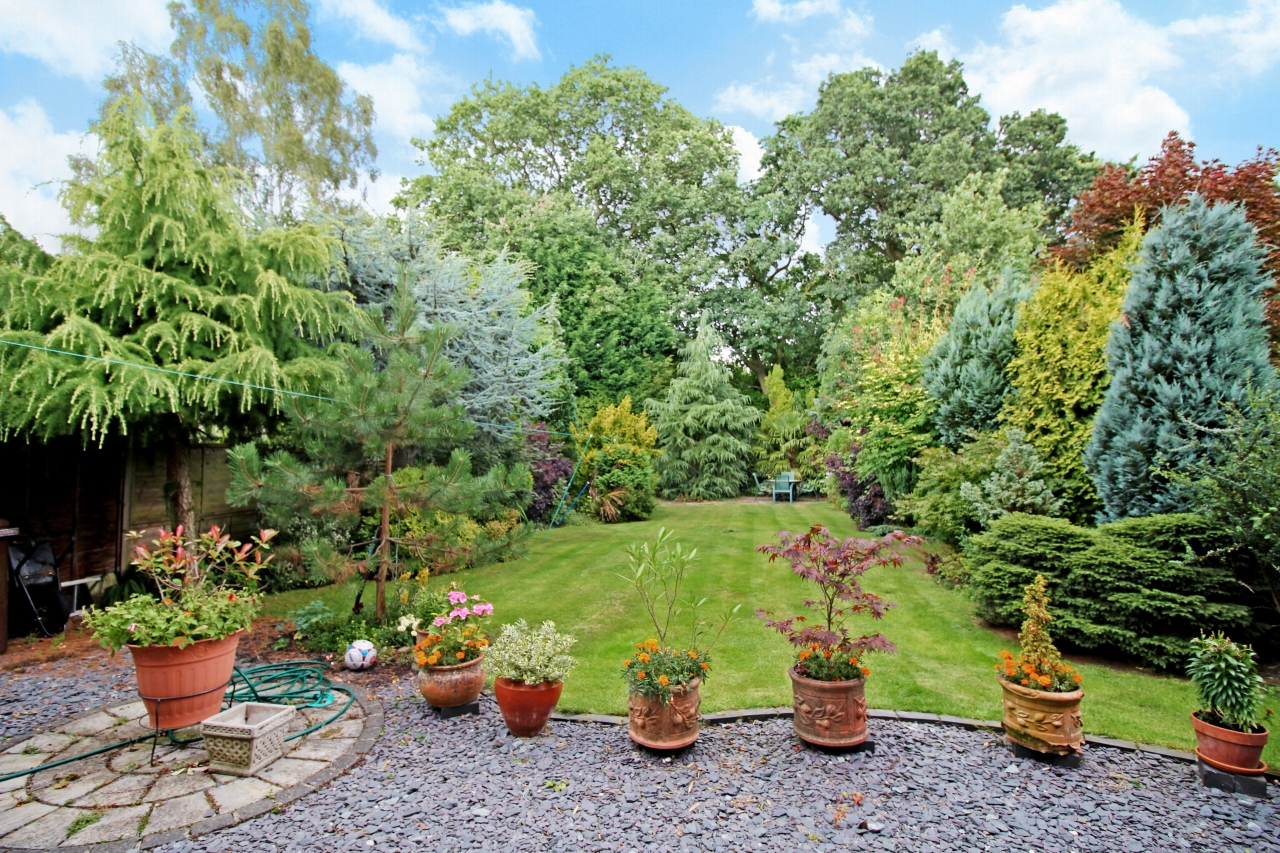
[1229, 733]
[450, 653]
[663, 677]
[529, 667]
[1042, 693]
[183, 638]
[830, 672]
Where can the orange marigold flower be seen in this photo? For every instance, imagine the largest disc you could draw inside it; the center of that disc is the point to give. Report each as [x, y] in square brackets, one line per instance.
[693, 654]
[804, 655]
[644, 658]
[663, 680]
[704, 666]
[420, 658]
[461, 655]
[827, 654]
[627, 662]
[1077, 679]
[854, 662]
[1026, 683]
[866, 671]
[1045, 681]
[640, 674]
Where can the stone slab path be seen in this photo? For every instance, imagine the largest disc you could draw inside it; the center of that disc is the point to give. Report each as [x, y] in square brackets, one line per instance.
[465, 784]
[120, 800]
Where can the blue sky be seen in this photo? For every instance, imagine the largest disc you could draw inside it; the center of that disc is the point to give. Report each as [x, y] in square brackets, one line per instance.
[1124, 73]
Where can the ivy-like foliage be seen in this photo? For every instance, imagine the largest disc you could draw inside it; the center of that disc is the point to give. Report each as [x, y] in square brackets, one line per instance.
[1059, 375]
[705, 426]
[1190, 339]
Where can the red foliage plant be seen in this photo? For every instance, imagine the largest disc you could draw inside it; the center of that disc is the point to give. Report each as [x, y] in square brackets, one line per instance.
[1102, 211]
[836, 566]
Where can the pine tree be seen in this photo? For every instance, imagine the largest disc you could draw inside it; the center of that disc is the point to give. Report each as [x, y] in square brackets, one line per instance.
[1014, 485]
[373, 446]
[782, 442]
[704, 427]
[1059, 375]
[1190, 338]
[965, 371]
[197, 320]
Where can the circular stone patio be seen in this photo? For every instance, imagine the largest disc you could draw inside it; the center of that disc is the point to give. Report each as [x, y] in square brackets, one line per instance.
[118, 799]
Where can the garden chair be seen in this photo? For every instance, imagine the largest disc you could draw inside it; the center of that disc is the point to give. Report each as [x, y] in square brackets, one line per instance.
[785, 484]
[763, 487]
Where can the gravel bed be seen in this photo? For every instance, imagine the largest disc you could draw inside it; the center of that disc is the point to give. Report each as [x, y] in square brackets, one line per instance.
[465, 784]
[54, 691]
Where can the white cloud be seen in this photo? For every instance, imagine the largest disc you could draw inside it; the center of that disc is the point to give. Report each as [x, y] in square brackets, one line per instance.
[750, 153]
[1089, 60]
[935, 40]
[498, 18]
[373, 22]
[31, 154]
[396, 87]
[856, 26]
[1251, 38]
[777, 10]
[814, 70]
[771, 104]
[80, 39]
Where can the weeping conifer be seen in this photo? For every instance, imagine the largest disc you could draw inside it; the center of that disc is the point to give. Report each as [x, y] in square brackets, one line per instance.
[1190, 338]
[704, 427]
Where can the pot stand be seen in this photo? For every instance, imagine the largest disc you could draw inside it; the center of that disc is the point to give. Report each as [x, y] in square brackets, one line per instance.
[459, 710]
[1232, 783]
[1052, 759]
[176, 741]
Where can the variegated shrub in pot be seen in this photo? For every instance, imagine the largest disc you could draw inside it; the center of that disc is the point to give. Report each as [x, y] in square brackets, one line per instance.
[663, 676]
[529, 667]
[830, 671]
[1042, 693]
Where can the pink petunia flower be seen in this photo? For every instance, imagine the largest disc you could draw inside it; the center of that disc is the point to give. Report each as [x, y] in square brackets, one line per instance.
[457, 597]
[441, 621]
[482, 609]
[460, 612]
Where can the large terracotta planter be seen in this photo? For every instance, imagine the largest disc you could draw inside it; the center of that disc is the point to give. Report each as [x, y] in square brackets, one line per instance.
[828, 713]
[1230, 750]
[526, 707]
[451, 686]
[1041, 720]
[671, 726]
[200, 672]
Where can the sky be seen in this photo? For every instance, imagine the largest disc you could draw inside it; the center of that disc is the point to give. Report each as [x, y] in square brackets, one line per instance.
[1124, 74]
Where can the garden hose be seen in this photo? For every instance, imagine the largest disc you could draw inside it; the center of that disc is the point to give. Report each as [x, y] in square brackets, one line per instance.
[302, 684]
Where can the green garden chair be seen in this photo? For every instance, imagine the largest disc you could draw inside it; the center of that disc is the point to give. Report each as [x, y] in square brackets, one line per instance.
[763, 487]
[784, 484]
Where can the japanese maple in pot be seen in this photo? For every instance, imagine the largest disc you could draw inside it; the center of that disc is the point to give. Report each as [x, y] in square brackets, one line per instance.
[663, 676]
[1229, 734]
[830, 672]
[1042, 693]
[450, 653]
[529, 667]
[183, 638]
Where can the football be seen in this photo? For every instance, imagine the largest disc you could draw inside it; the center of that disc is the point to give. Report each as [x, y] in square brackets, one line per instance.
[360, 655]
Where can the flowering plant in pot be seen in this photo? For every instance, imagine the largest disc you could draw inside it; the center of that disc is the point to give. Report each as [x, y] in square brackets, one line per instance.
[183, 635]
[529, 667]
[830, 671]
[1042, 692]
[664, 675]
[1229, 733]
[450, 651]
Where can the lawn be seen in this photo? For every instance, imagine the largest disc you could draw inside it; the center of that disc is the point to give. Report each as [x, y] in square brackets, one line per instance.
[944, 659]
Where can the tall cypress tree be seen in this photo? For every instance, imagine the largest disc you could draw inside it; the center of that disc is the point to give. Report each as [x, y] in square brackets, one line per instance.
[704, 427]
[1190, 338]
[965, 371]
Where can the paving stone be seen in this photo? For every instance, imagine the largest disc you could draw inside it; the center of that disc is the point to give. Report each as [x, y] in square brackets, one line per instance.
[129, 710]
[12, 799]
[240, 793]
[114, 825]
[287, 772]
[133, 759]
[49, 742]
[124, 791]
[172, 785]
[339, 729]
[325, 750]
[22, 815]
[177, 813]
[50, 830]
[61, 793]
[90, 725]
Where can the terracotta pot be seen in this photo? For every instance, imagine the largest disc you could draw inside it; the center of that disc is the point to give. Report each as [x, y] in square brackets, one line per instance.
[201, 672]
[1042, 720]
[671, 726]
[1230, 750]
[451, 686]
[526, 707]
[828, 713]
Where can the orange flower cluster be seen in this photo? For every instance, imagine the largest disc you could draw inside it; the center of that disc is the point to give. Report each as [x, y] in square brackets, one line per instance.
[654, 671]
[431, 649]
[834, 664]
[1043, 674]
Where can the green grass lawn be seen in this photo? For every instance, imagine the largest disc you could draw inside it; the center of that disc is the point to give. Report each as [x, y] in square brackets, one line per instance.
[944, 659]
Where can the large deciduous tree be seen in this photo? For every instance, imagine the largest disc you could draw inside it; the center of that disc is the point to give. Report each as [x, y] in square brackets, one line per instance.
[1190, 339]
[191, 323]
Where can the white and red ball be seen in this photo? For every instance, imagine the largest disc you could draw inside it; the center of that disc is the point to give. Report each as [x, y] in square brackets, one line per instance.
[361, 654]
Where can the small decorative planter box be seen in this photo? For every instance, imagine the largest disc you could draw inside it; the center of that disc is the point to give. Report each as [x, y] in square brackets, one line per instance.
[246, 738]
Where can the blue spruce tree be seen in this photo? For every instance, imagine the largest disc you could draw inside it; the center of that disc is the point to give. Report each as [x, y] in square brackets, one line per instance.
[1190, 338]
[965, 371]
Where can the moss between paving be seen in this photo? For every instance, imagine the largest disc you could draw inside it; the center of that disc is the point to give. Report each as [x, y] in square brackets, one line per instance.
[944, 660]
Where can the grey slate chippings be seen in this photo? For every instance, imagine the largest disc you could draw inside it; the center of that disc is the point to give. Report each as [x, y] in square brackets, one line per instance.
[29, 701]
[465, 784]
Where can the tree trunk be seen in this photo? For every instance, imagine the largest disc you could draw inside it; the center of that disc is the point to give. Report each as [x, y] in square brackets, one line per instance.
[179, 475]
[761, 373]
[384, 535]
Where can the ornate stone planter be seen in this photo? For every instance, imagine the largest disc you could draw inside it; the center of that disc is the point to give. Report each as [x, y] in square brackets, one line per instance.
[828, 713]
[451, 686]
[672, 726]
[246, 738]
[1040, 720]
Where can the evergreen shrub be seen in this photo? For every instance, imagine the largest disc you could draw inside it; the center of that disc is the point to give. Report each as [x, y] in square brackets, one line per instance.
[935, 507]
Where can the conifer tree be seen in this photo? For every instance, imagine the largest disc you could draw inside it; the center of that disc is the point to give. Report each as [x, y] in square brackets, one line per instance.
[1190, 339]
[704, 427]
[782, 442]
[190, 322]
[1014, 485]
[1059, 374]
[965, 371]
